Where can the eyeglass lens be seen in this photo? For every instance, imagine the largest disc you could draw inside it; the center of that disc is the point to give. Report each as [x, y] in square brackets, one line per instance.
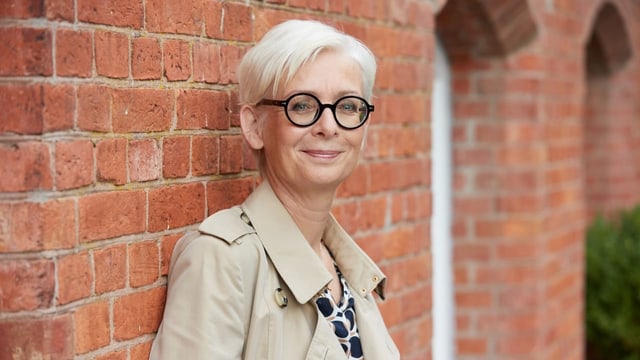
[349, 111]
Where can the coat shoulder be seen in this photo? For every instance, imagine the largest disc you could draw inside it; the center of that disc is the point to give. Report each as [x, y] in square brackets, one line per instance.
[229, 225]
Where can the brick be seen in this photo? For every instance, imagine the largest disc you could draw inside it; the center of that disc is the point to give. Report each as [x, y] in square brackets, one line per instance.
[144, 160]
[205, 154]
[110, 268]
[230, 57]
[202, 109]
[37, 226]
[111, 161]
[28, 162]
[22, 109]
[146, 58]
[177, 60]
[176, 156]
[59, 107]
[166, 250]
[94, 104]
[112, 54]
[26, 285]
[237, 21]
[74, 53]
[231, 154]
[74, 277]
[114, 355]
[141, 110]
[21, 9]
[60, 10]
[234, 108]
[472, 252]
[121, 13]
[223, 194]
[206, 62]
[25, 52]
[141, 351]
[74, 164]
[33, 338]
[470, 299]
[91, 327]
[371, 213]
[183, 17]
[111, 214]
[176, 206]
[467, 346]
[138, 313]
[213, 19]
[144, 262]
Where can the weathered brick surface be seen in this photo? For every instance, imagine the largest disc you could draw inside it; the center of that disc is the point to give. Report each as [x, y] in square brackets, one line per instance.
[74, 164]
[112, 54]
[59, 107]
[146, 58]
[22, 109]
[111, 160]
[74, 277]
[29, 164]
[138, 313]
[26, 52]
[33, 338]
[111, 214]
[74, 53]
[141, 110]
[26, 285]
[176, 153]
[176, 55]
[91, 327]
[198, 109]
[176, 206]
[94, 108]
[110, 268]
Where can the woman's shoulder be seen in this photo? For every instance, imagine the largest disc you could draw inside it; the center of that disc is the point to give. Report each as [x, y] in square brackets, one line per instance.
[216, 234]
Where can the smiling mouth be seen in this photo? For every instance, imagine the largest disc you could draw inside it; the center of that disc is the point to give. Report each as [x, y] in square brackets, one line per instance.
[326, 154]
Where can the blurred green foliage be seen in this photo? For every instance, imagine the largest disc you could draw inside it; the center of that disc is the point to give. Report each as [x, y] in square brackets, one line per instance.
[613, 287]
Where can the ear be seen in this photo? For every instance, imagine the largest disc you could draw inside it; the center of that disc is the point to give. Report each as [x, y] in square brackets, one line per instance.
[251, 129]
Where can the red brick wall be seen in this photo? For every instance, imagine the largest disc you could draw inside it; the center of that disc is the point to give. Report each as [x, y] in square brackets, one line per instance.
[524, 132]
[118, 133]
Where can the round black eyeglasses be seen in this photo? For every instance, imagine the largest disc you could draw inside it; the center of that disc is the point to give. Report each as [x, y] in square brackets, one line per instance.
[303, 109]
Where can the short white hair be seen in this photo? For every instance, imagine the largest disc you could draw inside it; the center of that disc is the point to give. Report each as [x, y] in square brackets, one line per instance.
[277, 57]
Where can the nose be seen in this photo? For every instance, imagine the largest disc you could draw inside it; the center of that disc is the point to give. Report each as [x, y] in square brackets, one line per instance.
[326, 124]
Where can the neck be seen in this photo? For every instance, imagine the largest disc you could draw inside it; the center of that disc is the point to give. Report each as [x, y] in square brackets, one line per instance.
[310, 210]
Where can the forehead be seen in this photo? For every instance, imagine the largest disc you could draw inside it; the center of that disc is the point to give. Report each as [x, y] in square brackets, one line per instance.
[329, 71]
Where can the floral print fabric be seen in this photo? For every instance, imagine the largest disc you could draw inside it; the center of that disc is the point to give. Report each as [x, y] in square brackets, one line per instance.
[342, 319]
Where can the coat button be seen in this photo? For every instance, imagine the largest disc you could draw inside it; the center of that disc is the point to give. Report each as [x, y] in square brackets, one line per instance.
[363, 291]
[281, 298]
[375, 278]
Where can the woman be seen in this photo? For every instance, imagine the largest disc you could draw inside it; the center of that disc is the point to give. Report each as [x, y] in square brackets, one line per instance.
[277, 277]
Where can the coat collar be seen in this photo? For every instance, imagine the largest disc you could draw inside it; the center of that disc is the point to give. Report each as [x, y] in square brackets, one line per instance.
[295, 260]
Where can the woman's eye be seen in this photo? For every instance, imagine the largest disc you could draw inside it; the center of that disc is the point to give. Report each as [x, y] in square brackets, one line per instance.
[302, 106]
[348, 106]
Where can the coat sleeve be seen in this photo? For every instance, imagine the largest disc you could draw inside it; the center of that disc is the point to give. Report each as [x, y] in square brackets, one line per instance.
[204, 312]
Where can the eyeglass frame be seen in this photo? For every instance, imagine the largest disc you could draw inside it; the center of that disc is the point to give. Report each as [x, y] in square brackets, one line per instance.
[285, 103]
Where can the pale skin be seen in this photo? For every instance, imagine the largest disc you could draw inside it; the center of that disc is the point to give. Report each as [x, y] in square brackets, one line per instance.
[305, 165]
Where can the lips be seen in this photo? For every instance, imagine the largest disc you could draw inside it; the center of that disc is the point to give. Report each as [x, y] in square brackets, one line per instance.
[327, 154]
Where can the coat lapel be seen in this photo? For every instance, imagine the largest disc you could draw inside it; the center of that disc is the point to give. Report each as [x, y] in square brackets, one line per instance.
[292, 256]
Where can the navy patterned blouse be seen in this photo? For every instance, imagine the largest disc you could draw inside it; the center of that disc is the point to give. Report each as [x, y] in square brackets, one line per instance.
[342, 319]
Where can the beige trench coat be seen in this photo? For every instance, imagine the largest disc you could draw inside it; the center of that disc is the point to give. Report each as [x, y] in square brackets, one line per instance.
[222, 298]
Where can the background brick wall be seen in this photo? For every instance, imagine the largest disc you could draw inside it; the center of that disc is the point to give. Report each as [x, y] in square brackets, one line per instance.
[119, 132]
[545, 137]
